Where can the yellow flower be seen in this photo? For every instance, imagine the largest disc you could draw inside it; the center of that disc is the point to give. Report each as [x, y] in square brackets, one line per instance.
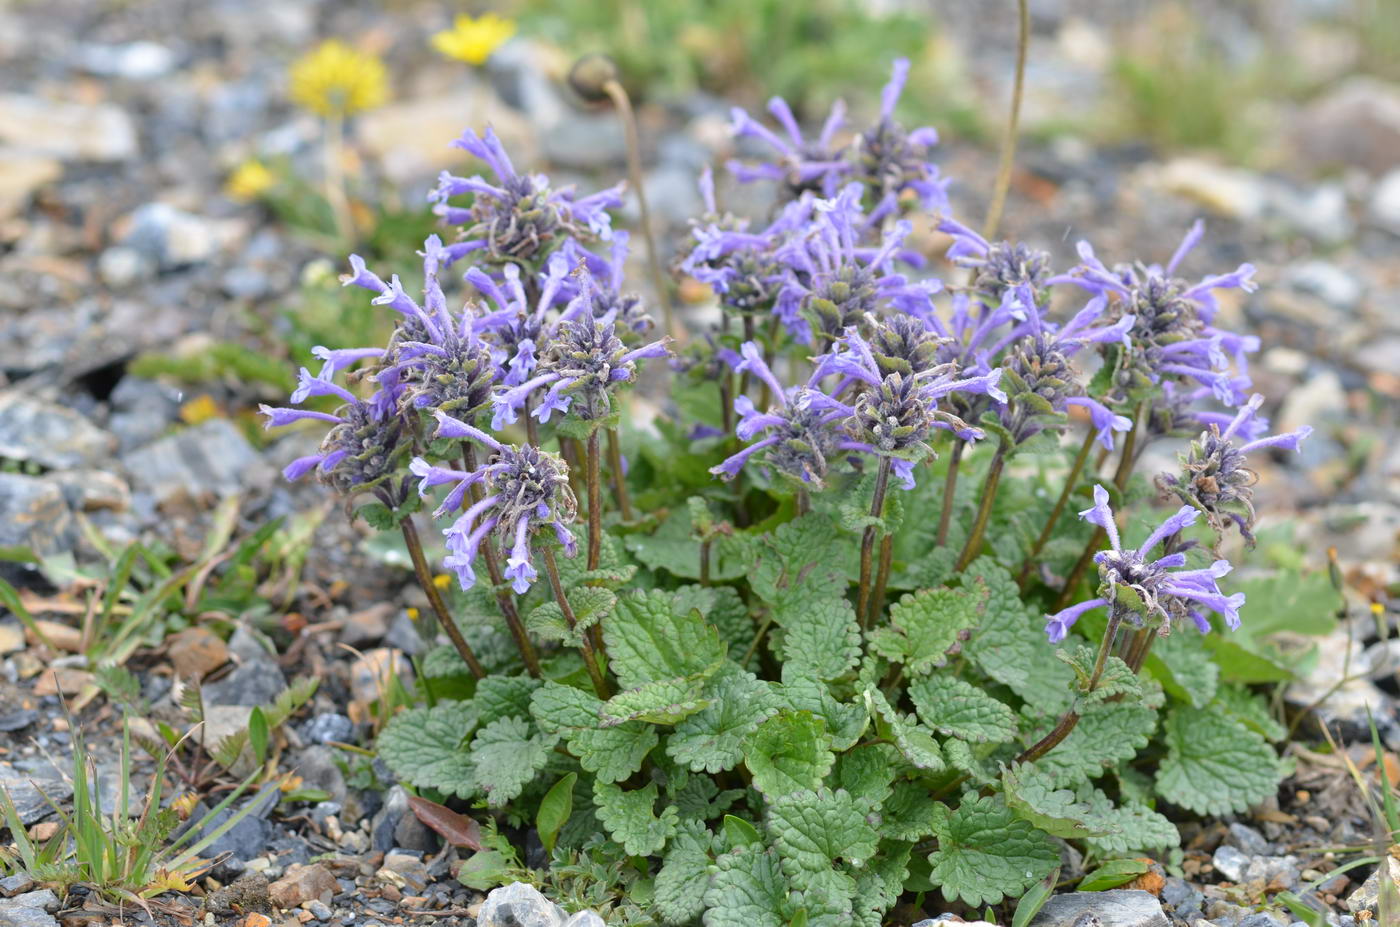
[249, 180]
[336, 80]
[473, 40]
[198, 410]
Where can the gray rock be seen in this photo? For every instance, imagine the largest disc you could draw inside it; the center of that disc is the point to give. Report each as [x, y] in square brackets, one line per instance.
[69, 131]
[1185, 900]
[245, 282]
[413, 834]
[584, 141]
[318, 769]
[521, 905]
[12, 915]
[51, 435]
[1120, 908]
[212, 457]
[27, 792]
[246, 839]
[404, 634]
[1357, 124]
[1230, 862]
[141, 411]
[130, 61]
[1262, 919]
[1327, 282]
[20, 176]
[1385, 202]
[92, 490]
[174, 238]
[328, 726]
[17, 884]
[1366, 899]
[1248, 840]
[254, 682]
[384, 827]
[319, 909]
[121, 267]
[34, 514]
[43, 900]
[585, 919]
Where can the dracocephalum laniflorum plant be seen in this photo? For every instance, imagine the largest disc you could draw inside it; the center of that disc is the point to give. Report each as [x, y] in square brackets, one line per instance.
[822, 638]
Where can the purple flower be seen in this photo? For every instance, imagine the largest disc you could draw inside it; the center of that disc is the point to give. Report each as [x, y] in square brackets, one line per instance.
[1144, 589]
[525, 490]
[361, 451]
[1215, 476]
[519, 218]
[890, 160]
[837, 282]
[999, 267]
[799, 165]
[1172, 336]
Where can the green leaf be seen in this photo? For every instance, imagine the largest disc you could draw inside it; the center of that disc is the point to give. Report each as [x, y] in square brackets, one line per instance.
[257, 734]
[800, 562]
[1185, 668]
[1105, 736]
[1116, 681]
[712, 739]
[845, 721]
[973, 763]
[684, 874]
[914, 742]
[426, 747]
[504, 697]
[554, 811]
[1034, 899]
[612, 753]
[590, 604]
[665, 701]
[1113, 873]
[986, 853]
[952, 706]
[1034, 796]
[822, 640]
[928, 625]
[722, 607]
[910, 813]
[879, 884]
[867, 772]
[675, 549]
[1251, 710]
[1215, 764]
[789, 752]
[1010, 645]
[748, 889]
[506, 758]
[1129, 828]
[814, 829]
[648, 640]
[740, 833]
[630, 819]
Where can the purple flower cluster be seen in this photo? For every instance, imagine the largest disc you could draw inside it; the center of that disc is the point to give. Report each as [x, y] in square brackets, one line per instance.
[1144, 588]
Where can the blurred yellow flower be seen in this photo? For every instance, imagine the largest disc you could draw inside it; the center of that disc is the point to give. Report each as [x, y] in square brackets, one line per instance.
[249, 180]
[473, 40]
[199, 410]
[335, 80]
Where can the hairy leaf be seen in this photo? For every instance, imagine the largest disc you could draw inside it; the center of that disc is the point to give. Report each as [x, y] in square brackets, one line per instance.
[684, 875]
[630, 819]
[1010, 645]
[815, 829]
[986, 853]
[789, 752]
[1185, 668]
[748, 889]
[674, 548]
[1116, 681]
[506, 757]
[910, 813]
[1036, 797]
[612, 753]
[648, 640]
[590, 605]
[426, 747]
[1215, 764]
[1105, 736]
[927, 626]
[1251, 710]
[665, 701]
[912, 740]
[800, 562]
[504, 697]
[867, 772]
[822, 639]
[712, 739]
[845, 721]
[958, 708]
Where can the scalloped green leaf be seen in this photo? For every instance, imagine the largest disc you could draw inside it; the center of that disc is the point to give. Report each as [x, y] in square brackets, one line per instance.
[790, 752]
[821, 640]
[814, 829]
[665, 701]
[957, 708]
[1035, 796]
[912, 740]
[506, 756]
[612, 753]
[927, 626]
[748, 889]
[590, 605]
[684, 874]
[1010, 644]
[713, 738]
[845, 721]
[426, 747]
[649, 640]
[673, 547]
[1215, 764]
[630, 818]
[1105, 736]
[986, 853]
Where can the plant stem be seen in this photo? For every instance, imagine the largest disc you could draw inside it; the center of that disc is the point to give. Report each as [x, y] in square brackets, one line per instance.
[1013, 118]
[334, 147]
[950, 486]
[882, 576]
[726, 402]
[634, 173]
[619, 479]
[984, 511]
[705, 562]
[1120, 480]
[590, 655]
[493, 570]
[425, 579]
[748, 336]
[1049, 529]
[532, 428]
[867, 541]
[803, 503]
[595, 503]
[1071, 717]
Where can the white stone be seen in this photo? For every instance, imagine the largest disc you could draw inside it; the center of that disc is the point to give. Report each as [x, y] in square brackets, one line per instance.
[68, 131]
[1385, 202]
[20, 176]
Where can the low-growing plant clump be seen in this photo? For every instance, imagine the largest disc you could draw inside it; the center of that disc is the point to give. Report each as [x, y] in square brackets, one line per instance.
[825, 634]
